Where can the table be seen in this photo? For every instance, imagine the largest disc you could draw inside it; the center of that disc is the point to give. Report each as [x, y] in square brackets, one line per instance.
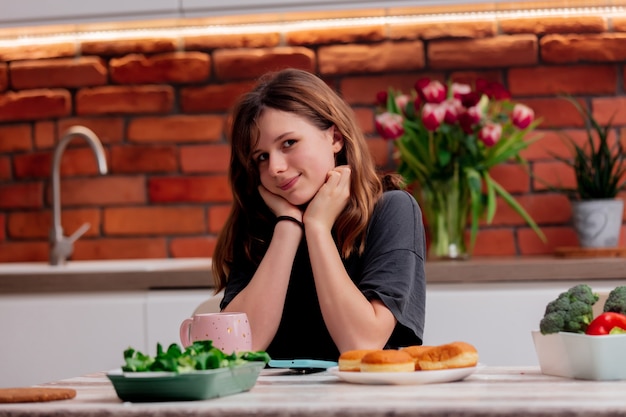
[490, 391]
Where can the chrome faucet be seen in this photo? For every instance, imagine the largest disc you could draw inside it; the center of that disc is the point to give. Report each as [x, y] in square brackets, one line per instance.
[61, 247]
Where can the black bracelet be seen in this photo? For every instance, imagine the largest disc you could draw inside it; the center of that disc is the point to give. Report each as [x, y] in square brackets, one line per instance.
[291, 219]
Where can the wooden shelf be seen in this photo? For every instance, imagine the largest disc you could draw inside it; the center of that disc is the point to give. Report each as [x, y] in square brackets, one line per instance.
[525, 268]
[578, 252]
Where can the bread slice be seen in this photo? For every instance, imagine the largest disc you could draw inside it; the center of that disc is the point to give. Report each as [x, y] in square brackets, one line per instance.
[449, 356]
[387, 360]
[350, 360]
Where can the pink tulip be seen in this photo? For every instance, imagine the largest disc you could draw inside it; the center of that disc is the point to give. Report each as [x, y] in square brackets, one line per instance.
[499, 92]
[432, 116]
[470, 99]
[492, 89]
[522, 116]
[476, 113]
[481, 85]
[381, 98]
[420, 84]
[459, 90]
[453, 108]
[434, 92]
[470, 118]
[389, 125]
[490, 133]
[466, 123]
[417, 102]
[401, 102]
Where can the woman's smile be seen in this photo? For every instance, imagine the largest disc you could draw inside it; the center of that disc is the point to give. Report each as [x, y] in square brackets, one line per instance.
[286, 185]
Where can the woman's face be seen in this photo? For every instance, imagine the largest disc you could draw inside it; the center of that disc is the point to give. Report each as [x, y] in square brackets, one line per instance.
[293, 155]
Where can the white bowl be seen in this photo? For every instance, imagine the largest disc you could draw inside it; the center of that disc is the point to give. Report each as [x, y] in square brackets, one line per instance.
[579, 356]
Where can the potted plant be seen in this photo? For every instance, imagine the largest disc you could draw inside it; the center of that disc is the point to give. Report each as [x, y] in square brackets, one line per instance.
[600, 173]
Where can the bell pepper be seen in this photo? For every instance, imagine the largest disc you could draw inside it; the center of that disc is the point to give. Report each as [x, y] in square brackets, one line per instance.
[605, 322]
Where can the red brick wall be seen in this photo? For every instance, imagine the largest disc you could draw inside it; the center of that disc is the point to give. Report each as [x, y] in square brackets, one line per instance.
[160, 107]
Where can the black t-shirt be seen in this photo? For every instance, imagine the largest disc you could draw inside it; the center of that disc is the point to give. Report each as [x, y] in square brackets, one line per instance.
[390, 269]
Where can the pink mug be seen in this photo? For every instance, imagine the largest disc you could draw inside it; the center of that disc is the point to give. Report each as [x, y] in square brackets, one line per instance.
[229, 332]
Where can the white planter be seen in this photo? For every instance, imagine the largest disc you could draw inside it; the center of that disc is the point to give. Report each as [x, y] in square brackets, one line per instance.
[598, 222]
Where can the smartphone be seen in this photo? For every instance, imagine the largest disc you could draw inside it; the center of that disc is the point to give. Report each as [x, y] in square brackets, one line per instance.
[305, 366]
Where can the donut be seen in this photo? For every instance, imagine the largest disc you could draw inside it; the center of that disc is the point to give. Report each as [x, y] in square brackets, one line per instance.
[387, 360]
[416, 351]
[448, 356]
[350, 361]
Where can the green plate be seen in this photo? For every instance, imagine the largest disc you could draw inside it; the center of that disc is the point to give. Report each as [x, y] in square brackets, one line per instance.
[197, 385]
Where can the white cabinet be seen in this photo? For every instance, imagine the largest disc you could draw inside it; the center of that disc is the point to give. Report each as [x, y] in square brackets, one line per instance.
[166, 310]
[46, 337]
[497, 318]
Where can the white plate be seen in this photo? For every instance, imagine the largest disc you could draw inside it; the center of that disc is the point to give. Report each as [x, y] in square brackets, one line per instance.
[403, 378]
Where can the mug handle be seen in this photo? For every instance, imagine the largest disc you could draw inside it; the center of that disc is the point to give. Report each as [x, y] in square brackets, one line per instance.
[185, 327]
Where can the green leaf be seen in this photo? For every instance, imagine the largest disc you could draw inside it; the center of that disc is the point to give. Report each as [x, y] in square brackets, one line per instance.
[255, 356]
[598, 168]
[444, 156]
[418, 165]
[200, 355]
[491, 198]
[476, 204]
[508, 198]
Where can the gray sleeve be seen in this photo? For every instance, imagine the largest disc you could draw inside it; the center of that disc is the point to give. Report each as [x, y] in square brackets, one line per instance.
[237, 281]
[393, 267]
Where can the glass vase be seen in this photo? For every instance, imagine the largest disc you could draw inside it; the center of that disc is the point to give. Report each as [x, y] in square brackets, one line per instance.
[446, 205]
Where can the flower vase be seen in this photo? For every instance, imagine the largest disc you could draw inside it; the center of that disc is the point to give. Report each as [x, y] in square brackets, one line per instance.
[446, 205]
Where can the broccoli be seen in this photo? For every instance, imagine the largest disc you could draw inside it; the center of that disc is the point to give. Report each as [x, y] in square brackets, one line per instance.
[583, 293]
[571, 311]
[551, 323]
[616, 301]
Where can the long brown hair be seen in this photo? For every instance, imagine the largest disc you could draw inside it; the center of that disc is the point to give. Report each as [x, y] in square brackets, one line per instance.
[250, 223]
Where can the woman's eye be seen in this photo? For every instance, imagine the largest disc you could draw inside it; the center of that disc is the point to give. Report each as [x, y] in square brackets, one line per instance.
[289, 143]
[262, 157]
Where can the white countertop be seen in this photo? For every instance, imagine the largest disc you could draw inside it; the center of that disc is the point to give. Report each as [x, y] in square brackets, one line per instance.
[135, 274]
[503, 391]
[105, 266]
[106, 275]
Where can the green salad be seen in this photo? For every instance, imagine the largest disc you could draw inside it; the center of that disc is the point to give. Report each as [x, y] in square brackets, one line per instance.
[201, 355]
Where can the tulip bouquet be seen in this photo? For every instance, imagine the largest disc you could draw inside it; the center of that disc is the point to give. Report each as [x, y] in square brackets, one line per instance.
[448, 137]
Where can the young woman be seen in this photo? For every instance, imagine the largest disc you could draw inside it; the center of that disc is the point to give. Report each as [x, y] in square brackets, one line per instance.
[315, 251]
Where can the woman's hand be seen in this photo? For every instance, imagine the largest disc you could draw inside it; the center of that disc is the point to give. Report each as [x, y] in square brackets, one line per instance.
[278, 205]
[330, 200]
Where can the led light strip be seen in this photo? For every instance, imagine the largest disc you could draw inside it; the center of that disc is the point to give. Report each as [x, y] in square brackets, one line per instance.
[181, 31]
